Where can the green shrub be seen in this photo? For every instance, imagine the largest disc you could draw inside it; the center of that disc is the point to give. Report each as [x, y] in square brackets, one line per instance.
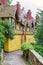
[0, 58]
[8, 29]
[39, 49]
[2, 36]
[2, 29]
[26, 46]
[38, 34]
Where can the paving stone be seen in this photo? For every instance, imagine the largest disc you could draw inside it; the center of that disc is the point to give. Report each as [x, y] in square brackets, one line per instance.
[14, 58]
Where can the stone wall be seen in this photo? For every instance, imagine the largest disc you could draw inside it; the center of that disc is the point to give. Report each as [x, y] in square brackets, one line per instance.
[35, 58]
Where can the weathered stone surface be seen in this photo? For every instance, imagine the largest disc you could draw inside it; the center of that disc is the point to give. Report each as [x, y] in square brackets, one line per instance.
[35, 58]
[14, 58]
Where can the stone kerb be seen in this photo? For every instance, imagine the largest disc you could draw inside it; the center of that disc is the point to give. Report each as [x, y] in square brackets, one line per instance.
[35, 58]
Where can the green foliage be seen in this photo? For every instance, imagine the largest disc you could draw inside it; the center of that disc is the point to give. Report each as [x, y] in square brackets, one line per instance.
[0, 58]
[6, 31]
[38, 34]
[39, 49]
[0, 50]
[26, 46]
[2, 29]
[8, 28]
[2, 39]
[9, 2]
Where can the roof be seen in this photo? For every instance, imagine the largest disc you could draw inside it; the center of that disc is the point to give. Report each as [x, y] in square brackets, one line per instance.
[3, 1]
[7, 10]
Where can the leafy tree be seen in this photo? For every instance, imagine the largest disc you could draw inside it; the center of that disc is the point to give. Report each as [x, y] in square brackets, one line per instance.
[6, 31]
[39, 30]
[2, 40]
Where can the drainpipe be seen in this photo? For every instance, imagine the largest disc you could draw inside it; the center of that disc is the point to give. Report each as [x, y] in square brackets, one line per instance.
[25, 33]
[22, 35]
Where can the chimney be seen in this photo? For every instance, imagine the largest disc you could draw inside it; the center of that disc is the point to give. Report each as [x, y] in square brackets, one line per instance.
[2, 2]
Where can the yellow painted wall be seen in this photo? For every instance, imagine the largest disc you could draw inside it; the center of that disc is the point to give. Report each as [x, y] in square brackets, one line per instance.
[30, 38]
[15, 44]
[12, 45]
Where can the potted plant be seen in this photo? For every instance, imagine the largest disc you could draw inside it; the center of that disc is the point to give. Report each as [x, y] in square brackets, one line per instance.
[25, 48]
